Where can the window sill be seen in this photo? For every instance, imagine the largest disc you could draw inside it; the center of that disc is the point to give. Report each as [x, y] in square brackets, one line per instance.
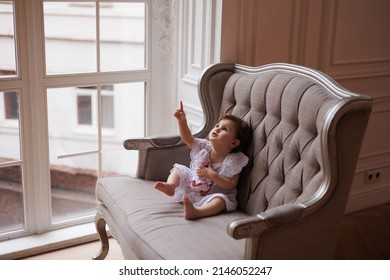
[37, 244]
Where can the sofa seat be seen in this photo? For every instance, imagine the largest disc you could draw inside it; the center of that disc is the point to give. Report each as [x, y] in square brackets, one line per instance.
[144, 217]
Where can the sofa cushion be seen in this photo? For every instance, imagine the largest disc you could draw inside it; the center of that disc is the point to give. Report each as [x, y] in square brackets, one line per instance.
[145, 217]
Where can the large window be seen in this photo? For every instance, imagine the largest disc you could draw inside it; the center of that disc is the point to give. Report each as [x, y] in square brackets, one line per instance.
[74, 81]
[76, 78]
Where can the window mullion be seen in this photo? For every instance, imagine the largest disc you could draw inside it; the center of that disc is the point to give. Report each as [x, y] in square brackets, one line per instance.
[33, 119]
[42, 188]
[99, 114]
[99, 128]
[98, 36]
[102, 78]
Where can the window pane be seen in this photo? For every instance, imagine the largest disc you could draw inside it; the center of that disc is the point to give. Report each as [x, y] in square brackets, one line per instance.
[11, 188]
[9, 126]
[70, 37]
[107, 111]
[73, 182]
[73, 150]
[7, 40]
[11, 199]
[65, 135]
[129, 120]
[122, 36]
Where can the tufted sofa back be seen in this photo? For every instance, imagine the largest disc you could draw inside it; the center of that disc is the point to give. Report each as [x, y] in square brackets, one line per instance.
[294, 117]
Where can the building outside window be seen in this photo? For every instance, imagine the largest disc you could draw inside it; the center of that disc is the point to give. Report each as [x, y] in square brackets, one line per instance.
[11, 107]
[86, 103]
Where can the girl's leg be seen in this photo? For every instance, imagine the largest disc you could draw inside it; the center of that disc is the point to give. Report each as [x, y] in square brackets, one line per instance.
[170, 185]
[213, 207]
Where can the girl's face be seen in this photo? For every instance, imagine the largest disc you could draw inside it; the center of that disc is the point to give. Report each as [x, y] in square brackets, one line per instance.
[224, 134]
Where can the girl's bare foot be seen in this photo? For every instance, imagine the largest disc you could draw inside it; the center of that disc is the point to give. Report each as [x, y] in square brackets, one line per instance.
[215, 206]
[190, 212]
[166, 188]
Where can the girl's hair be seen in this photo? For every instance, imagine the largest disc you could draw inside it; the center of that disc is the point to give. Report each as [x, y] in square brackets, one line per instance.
[243, 132]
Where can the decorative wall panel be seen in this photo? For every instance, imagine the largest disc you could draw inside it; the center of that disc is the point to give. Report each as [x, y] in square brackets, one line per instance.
[347, 39]
[358, 40]
[199, 46]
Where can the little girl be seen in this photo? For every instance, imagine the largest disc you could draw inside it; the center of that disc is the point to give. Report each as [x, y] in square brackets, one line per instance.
[207, 189]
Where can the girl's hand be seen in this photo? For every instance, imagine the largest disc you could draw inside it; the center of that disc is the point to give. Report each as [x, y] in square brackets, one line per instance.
[204, 172]
[180, 115]
[223, 182]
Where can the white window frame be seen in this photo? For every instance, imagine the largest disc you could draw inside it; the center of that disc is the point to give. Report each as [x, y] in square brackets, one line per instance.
[32, 82]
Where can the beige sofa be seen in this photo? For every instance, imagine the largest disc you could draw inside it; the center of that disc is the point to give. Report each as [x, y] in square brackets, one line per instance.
[292, 195]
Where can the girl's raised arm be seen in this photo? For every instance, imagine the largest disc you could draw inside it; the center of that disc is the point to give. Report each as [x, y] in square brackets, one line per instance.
[184, 130]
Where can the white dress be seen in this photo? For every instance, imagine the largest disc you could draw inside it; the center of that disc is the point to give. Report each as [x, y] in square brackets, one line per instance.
[232, 165]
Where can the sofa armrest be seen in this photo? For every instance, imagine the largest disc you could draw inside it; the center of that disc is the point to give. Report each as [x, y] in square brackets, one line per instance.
[247, 227]
[142, 144]
[157, 155]
[254, 226]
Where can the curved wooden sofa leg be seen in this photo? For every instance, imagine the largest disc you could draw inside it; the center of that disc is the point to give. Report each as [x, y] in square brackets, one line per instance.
[100, 224]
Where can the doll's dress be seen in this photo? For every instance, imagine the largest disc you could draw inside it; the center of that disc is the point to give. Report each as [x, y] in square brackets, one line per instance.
[202, 185]
[232, 165]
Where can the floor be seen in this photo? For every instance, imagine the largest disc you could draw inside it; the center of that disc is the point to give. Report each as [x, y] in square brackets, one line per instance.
[365, 235]
[81, 252]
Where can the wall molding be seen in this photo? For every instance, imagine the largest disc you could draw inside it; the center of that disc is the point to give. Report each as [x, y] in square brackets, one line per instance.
[294, 33]
[337, 58]
[199, 37]
[165, 16]
[360, 74]
[373, 160]
[199, 46]
[195, 117]
[336, 24]
[164, 22]
[368, 199]
[381, 104]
